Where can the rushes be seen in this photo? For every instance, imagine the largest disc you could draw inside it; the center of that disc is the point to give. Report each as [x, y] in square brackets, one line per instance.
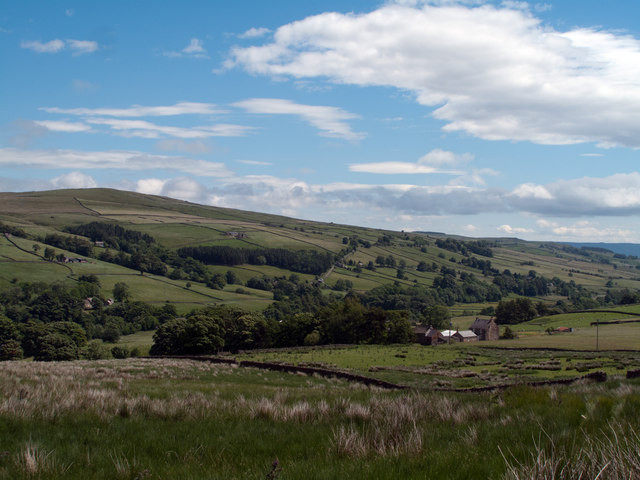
[613, 455]
[34, 462]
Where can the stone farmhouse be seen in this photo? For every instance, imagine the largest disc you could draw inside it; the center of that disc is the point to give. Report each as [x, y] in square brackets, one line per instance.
[486, 329]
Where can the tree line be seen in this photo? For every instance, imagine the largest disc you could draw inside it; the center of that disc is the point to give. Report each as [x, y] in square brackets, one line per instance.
[301, 261]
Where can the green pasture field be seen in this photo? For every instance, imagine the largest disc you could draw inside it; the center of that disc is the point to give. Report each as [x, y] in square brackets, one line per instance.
[362, 282]
[28, 267]
[456, 365]
[609, 337]
[153, 418]
[140, 340]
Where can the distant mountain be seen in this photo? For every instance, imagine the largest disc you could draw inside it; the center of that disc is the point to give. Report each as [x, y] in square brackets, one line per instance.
[622, 248]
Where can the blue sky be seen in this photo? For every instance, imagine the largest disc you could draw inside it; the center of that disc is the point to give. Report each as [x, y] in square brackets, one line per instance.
[467, 117]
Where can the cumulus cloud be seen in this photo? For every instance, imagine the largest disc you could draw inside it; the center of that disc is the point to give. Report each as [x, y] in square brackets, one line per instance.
[78, 47]
[255, 33]
[497, 73]
[427, 164]
[181, 188]
[112, 160]
[509, 230]
[74, 180]
[617, 194]
[195, 49]
[593, 231]
[331, 121]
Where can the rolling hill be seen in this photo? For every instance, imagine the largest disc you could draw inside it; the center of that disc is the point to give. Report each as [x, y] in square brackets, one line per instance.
[361, 259]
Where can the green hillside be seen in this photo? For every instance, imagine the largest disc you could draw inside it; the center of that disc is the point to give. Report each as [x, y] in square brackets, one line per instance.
[364, 258]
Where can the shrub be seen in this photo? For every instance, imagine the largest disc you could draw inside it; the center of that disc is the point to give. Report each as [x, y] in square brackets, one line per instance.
[10, 350]
[96, 350]
[120, 352]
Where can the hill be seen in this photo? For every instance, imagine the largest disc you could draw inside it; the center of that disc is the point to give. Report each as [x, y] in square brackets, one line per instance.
[619, 248]
[177, 251]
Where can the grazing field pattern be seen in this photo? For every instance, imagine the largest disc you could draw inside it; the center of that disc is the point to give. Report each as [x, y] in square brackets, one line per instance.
[166, 418]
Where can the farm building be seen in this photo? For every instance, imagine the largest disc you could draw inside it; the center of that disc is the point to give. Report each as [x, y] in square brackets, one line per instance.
[427, 335]
[466, 336]
[448, 336]
[486, 329]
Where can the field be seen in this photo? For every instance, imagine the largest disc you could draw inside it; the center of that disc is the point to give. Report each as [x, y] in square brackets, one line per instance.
[153, 418]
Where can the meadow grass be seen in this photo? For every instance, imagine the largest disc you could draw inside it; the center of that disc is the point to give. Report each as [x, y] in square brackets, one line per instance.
[154, 418]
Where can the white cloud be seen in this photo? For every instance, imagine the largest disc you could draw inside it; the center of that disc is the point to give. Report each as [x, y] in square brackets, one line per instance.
[180, 108]
[494, 72]
[111, 160]
[68, 127]
[393, 168]
[54, 46]
[195, 49]
[529, 190]
[331, 121]
[439, 158]
[254, 162]
[509, 230]
[181, 188]
[617, 194]
[74, 180]
[78, 47]
[81, 47]
[255, 33]
[427, 164]
[590, 231]
[144, 129]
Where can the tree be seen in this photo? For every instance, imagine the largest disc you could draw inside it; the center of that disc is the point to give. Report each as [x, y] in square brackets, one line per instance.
[11, 350]
[121, 292]
[438, 316]
[49, 253]
[231, 277]
[515, 311]
[55, 347]
[36, 248]
[217, 282]
[198, 334]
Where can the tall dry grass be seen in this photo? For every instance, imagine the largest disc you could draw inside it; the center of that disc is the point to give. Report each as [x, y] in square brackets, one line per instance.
[36, 462]
[612, 456]
[377, 423]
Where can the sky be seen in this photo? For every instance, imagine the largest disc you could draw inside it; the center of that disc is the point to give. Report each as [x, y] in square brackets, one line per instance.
[476, 118]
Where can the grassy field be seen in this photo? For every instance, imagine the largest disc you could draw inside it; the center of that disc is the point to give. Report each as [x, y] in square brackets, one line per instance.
[176, 223]
[164, 419]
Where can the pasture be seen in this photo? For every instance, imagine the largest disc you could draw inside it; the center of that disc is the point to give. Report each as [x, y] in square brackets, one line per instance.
[155, 418]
